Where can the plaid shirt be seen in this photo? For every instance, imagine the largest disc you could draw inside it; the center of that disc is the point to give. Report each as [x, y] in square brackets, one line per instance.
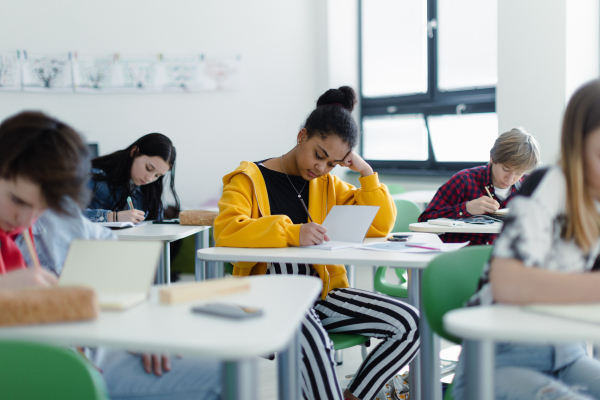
[451, 199]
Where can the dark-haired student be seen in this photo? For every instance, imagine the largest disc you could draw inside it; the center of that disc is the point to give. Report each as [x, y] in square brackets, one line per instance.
[137, 172]
[44, 168]
[261, 207]
[466, 194]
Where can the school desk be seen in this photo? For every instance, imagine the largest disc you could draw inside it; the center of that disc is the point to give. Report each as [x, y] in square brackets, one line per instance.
[493, 228]
[166, 233]
[174, 329]
[425, 370]
[482, 326]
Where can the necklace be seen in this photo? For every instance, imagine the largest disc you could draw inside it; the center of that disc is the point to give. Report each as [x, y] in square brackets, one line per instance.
[297, 192]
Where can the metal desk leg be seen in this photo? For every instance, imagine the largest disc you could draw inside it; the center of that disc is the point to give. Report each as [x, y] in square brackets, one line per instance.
[163, 264]
[288, 370]
[167, 263]
[414, 378]
[351, 272]
[214, 270]
[239, 380]
[431, 385]
[199, 270]
[479, 374]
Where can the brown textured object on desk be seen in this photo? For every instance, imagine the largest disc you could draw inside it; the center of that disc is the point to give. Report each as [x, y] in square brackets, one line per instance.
[197, 217]
[47, 305]
[184, 292]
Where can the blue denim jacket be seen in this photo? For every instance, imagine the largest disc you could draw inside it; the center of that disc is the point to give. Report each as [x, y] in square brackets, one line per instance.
[105, 200]
[53, 233]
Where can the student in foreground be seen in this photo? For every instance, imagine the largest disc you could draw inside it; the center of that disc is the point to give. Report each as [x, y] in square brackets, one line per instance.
[548, 253]
[137, 172]
[464, 195]
[43, 173]
[261, 207]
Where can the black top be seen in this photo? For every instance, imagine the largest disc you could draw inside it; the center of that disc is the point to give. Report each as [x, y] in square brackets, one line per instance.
[282, 196]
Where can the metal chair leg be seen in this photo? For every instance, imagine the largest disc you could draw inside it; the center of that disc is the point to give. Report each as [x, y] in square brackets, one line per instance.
[339, 357]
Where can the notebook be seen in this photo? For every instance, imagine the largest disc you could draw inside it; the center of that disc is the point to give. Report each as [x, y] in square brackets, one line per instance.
[120, 272]
[116, 225]
[347, 226]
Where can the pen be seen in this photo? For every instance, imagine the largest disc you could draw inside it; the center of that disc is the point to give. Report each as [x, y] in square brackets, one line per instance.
[32, 253]
[306, 209]
[488, 192]
[131, 202]
[422, 246]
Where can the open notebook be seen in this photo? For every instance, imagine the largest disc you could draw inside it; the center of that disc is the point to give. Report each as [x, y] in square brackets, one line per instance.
[120, 272]
[347, 226]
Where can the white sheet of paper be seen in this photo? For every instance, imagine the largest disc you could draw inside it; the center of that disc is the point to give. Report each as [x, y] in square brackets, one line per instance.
[347, 226]
[349, 223]
[405, 247]
[120, 272]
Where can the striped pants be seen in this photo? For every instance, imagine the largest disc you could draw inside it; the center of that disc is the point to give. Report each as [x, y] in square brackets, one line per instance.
[360, 312]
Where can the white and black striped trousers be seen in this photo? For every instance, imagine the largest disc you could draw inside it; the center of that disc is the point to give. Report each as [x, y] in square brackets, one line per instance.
[360, 312]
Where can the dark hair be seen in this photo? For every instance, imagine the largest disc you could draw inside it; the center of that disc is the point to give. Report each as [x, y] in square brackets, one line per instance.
[332, 116]
[47, 152]
[117, 171]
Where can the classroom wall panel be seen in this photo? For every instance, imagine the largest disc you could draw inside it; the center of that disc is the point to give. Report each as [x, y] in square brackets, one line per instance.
[212, 131]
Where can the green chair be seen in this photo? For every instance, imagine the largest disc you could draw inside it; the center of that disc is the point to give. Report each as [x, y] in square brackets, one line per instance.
[343, 341]
[394, 188]
[37, 371]
[448, 281]
[407, 213]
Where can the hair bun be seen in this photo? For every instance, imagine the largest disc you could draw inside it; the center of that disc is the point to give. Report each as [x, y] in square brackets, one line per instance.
[344, 96]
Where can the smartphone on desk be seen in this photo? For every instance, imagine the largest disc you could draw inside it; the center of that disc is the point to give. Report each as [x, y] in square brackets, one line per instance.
[228, 310]
[397, 237]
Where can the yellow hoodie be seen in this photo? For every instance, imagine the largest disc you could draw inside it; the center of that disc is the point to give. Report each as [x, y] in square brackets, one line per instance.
[245, 218]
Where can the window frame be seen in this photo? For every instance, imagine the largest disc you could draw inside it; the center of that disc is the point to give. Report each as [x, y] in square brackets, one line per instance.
[434, 102]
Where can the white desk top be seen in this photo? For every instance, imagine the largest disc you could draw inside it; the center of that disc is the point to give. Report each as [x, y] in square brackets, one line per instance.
[495, 227]
[513, 323]
[153, 327]
[163, 232]
[312, 256]
[416, 196]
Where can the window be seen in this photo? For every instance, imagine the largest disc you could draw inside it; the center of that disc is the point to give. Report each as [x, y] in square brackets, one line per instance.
[428, 74]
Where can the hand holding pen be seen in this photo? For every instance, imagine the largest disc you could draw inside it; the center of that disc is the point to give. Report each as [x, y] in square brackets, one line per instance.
[312, 233]
[131, 215]
[483, 205]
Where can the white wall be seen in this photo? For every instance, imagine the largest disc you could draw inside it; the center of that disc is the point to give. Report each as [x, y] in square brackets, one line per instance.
[546, 49]
[213, 132]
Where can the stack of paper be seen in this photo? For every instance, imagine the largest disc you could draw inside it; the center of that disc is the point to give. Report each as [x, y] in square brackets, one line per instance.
[412, 247]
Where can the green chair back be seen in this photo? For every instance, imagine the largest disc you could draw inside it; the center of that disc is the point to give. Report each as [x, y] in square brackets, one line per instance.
[448, 281]
[37, 371]
[228, 268]
[394, 188]
[408, 213]
[343, 341]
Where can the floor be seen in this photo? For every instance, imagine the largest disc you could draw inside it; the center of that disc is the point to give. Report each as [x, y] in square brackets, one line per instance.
[267, 370]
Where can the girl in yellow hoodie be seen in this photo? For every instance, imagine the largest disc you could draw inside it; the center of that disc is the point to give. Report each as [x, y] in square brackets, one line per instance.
[262, 206]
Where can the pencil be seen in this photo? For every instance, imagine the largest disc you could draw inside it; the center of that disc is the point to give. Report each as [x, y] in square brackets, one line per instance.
[306, 209]
[131, 202]
[488, 192]
[32, 253]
